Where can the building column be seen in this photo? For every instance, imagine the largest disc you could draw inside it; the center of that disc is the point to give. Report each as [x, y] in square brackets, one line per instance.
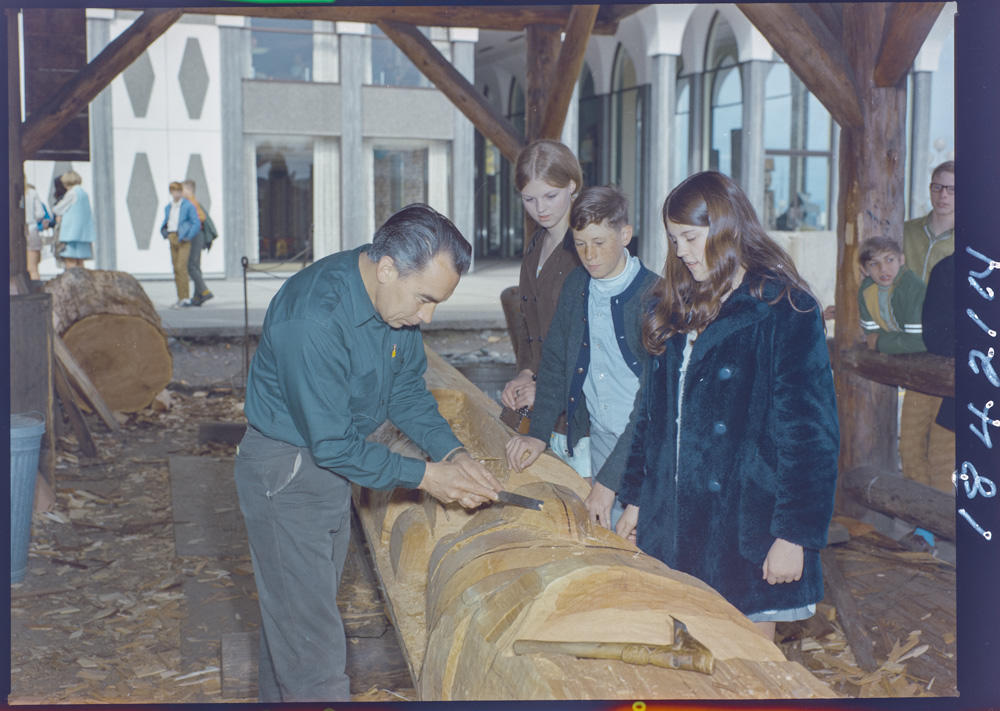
[326, 205]
[920, 132]
[238, 237]
[463, 145]
[697, 126]
[102, 163]
[754, 76]
[353, 200]
[663, 103]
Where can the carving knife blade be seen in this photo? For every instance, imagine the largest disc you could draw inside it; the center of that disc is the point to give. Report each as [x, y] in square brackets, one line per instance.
[526, 502]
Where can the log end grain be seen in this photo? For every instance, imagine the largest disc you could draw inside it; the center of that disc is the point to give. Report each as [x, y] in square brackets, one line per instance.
[126, 357]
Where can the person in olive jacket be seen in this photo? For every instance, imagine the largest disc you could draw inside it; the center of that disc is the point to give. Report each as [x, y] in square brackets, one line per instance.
[733, 467]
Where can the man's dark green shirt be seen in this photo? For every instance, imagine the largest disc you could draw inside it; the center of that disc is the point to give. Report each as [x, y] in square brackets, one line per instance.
[329, 370]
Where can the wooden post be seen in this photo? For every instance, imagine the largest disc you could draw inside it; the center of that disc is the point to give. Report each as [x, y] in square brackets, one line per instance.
[871, 204]
[578, 29]
[543, 46]
[18, 254]
[31, 369]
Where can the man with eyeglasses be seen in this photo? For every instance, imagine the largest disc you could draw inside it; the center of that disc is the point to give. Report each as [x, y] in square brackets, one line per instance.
[929, 239]
[926, 449]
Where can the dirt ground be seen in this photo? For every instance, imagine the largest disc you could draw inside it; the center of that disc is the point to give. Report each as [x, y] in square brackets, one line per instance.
[127, 597]
[117, 606]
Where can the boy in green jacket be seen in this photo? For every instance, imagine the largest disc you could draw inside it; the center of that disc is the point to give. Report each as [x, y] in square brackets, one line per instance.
[891, 298]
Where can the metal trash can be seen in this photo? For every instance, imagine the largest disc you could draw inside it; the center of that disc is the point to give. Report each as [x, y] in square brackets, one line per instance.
[26, 431]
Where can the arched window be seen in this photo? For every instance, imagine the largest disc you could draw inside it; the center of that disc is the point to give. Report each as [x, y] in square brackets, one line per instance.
[798, 154]
[628, 139]
[725, 99]
[591, 129]
[513, 221]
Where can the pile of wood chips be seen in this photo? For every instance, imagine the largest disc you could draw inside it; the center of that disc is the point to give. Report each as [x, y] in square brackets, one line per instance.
[98, 617]
[820, 645]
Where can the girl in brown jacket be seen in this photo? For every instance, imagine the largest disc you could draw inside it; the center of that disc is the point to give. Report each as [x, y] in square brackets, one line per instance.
[548, 176]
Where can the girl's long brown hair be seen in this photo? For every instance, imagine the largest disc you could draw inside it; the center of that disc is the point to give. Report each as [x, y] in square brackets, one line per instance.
[735, 238]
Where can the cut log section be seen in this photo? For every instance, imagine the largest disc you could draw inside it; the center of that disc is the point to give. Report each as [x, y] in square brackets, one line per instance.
[463, 587]
[113, 331]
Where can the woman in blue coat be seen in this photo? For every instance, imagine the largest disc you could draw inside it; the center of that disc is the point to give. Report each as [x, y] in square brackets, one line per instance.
[76, 222]
[734, 459]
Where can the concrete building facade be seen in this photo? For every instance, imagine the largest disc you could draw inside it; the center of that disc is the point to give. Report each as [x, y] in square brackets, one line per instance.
[303, 136]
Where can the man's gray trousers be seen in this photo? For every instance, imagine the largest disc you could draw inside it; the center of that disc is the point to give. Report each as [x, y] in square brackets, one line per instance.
[297, 517]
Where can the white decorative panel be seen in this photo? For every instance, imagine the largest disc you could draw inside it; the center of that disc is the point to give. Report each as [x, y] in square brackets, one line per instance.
[167, 123]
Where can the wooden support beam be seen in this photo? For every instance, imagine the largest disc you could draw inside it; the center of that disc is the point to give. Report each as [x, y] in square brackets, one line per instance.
[542, 45]
[871, 202]
[897, 496]
[906, 29]
[830, 14]
[83, 88]
[812, 51]
[17, 240]
[507, 17]
[82, 382]
[449, 81]
[567, 70]
[924, 372]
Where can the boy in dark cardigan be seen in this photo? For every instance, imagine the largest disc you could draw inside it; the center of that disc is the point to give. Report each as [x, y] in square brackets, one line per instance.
[593, 356]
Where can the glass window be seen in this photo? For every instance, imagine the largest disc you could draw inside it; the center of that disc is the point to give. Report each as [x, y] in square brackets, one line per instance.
[400, 178]
[724, 99]
[682, 121]
[727, 121]
[590, 128]
[798, 155]
[627, 139]
[390, 67]
[285, 199]
[281, 49]
[490, 175]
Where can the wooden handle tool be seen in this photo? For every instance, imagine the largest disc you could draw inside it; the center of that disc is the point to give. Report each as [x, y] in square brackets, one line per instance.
[685, 653]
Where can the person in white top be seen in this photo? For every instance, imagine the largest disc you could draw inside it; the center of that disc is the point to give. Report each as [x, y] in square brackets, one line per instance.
[34, 213]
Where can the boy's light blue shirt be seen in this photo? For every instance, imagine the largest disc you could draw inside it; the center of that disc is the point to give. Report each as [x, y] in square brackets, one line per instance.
[611, 385]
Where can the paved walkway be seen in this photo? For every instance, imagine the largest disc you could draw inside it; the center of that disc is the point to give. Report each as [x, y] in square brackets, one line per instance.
[474, 305]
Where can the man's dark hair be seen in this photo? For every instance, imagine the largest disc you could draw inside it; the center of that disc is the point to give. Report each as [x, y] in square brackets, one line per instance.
[414, 235]
[598, 204]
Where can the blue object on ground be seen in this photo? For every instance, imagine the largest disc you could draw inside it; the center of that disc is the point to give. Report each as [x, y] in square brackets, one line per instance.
[926, 535]
[25, 441]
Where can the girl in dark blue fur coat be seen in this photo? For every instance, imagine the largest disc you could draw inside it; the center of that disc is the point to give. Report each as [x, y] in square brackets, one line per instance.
[733, 467]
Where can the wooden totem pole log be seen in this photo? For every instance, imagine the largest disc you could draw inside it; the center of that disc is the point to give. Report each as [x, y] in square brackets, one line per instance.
[463, 587]
[114, 333]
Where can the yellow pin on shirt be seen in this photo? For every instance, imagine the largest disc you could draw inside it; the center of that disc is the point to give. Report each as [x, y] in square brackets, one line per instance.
[393, 350]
